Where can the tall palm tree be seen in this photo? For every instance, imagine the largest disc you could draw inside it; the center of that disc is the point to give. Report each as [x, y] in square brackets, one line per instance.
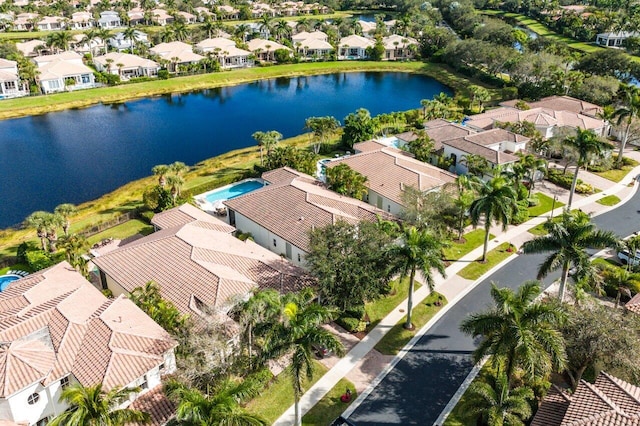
[465, 186]
[89, 37]
[104, 35]
[519, 332]
[175, 183]
[66, 210]
[161, 171]
[568, 241]
[497, 202]
[587, 145]
[220, 407]
[496, 404]
[261, 306]
[627, 113]
[75, 246]
[242, 31]
[420, 251]
[93, 406]
[178, 168]
[296, 331]
[38, 220]
[532, 164]
[129, 33]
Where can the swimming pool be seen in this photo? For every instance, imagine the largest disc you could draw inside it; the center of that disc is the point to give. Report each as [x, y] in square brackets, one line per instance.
[6, 279]
[232, 191]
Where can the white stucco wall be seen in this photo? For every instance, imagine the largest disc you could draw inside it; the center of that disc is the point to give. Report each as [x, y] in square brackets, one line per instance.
[388, 205]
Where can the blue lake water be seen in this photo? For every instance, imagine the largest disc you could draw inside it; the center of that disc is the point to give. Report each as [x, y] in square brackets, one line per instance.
[78, 155]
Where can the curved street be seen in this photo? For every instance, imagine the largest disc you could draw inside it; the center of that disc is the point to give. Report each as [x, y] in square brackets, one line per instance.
[421, 384]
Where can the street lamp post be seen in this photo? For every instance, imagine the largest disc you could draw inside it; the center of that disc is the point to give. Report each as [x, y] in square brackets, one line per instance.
[553, 205]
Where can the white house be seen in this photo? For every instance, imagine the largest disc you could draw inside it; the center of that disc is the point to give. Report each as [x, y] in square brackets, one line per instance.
[177, 52]
[162, 17]
[119, 42]
[81, 45]
[259, 30]
[615, 39]
[354, 47]
[398, 47]
[31, 48]
[50, 23]
[226, 51]
[57, 329]
[312, 45]
[81, 21]
[10, 84]
[109, 19]
[264, 50]
[64, 71]
[25, 21]
[126, 65]
[298, 203]
[305, 35]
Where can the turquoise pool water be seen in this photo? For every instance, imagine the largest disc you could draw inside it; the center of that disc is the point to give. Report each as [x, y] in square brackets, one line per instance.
[233, 191]
[6, 279]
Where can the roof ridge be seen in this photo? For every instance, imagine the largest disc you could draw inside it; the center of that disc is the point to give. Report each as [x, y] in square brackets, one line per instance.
[622, 388]
[604, 397]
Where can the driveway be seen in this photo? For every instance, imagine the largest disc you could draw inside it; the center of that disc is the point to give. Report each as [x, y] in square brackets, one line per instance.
[422, 383]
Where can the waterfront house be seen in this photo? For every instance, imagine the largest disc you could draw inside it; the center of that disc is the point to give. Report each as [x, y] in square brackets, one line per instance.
[119, 42]
[10, 84]
[368, 28]
[109, 19]
[57, 329]
[389, 171]
[25, 21]
[312, 45]
[32, 48]
[354, 47]
[608, 401]
[51, 23]
[126, 66]
[560, 103]
[229, 56]
[63, 71]
[264, 50]
[199, 265]
[177, 52]
[136, 16]
[305, 35]
[81, 21]
[398, 47]
[615, 39]
[161, 17]
[280, 215]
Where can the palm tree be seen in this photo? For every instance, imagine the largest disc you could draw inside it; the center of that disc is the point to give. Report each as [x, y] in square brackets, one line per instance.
[66, 210]
[297, 330]
[175, 183]
[532, 164]
[104, 35]
[38, 221]
[180, 31]
[256, 310]
[241, 31]
[567, 241]
[266, 24]
[161, 171]
[627, 113]
[129, 33]
[587, 145]
[93, 406]
[496, 404]
[89, 37]
[75, 246]
[419, 251]
[465, 187]
[497, 202]
[178, 168]
[519, 332]
[220, 407]
[479, 94]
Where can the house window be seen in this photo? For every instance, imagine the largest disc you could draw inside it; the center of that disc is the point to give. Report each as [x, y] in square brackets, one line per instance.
[64, 382]
[388, 208]
[10, 85]
[85, 79]
[33, 398]
[54, 84]
[42, 422]
[298, 257]
[275, 243]
[161, 368]
[454, 159]
[144, 384]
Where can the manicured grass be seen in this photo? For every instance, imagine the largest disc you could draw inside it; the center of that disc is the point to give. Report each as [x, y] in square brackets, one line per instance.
[16, 267]
[544, 206]
[476, 269]
[609, 200]
[380, 308]
[473, 240]
[609, 262]
[122, 231]
[617, 175]
[330, 406]
[398, 336]
[278, 396]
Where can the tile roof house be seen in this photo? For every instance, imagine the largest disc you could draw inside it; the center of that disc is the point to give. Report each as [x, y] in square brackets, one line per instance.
[609, 401]
[63, 71]
[280, 215]
[10, 84]
[398, 48]
[354, 47]
[198, 264]
[183, 53]
[126, 66]
[389, 171]
[30, 48]
[119, 42]
[226, 51]
[264, 50]
[81, 21]
[56, 329]
[25, 21]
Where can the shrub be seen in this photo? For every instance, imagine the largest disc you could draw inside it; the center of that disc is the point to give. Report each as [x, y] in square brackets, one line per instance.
[147, 215]
[352, 325]
[38, 259]
[564, 181]
[163, 74]
[356, 311]
[522, 215]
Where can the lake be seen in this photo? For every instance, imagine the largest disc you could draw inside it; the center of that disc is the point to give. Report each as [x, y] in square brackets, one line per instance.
[78, 155]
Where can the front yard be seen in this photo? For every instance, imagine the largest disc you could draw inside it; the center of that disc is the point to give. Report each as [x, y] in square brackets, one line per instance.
[475, 270]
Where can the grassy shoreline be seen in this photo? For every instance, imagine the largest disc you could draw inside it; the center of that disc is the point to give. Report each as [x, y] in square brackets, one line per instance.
[19, 107]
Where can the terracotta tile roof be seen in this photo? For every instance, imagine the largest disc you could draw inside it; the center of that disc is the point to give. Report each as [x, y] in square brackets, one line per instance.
[281, 175]
[633, 305]
[540, 116]
[291, 208]
[160, 408]
[441, 130]
[608, 402]
[567, 103]
[355, 40]
[389, 171]
[368, 146]
[58, 324]
[470, 147]
[188, 213]
[194, 260]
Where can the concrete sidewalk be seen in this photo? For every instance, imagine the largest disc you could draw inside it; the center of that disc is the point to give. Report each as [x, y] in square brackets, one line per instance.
[453, 288]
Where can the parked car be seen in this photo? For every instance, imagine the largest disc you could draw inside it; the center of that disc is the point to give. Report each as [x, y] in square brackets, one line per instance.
[626, 258]
[341, 421]
[321, 351]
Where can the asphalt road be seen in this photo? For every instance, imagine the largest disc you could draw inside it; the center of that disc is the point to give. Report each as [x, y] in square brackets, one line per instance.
[422, 383]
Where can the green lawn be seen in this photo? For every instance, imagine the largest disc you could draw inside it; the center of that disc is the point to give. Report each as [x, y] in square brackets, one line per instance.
[398, 336]
[609, 200]
[278, 396]
[16, 267]
[330, 406]
[475, 270]
[539, 229]
[380, 308]
[544, 206]
[606, 262]
[473, 240]
[122, 231]
[617, 175]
